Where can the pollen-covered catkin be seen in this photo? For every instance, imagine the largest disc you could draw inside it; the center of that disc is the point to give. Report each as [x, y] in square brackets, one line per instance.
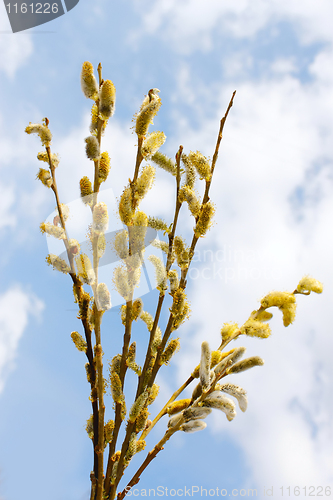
[152, 143]
[43, 156]
[178, 406]
[147, 113]
[92, 147]
[160, 273]
[144, 182]
[173, 280]
[182, 316]
[179, 298]
[79, 342]
[172, 346]
[164, 162]
[255, 328]
[89, 84]
[289, 313]
[137, 309]
[103, 297]
[137, 406]
[201, 164]
[204, 370]
[85, 269]
[126, 206]
[86, 190]
[277, 299]
[45, 177]
[43, 132]
[205, 220]
[107, 100]
[188, 195]
[56, 231]
[190, 172]
[308, 284]
[158, 224]
[100, 217]
[104, 166]
[229, 331]
[116, 390]
[120, 279]
[245, 364]
[58, 263]
[108, 431]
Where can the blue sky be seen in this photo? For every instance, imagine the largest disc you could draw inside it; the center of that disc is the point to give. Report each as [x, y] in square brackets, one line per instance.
[273, 193]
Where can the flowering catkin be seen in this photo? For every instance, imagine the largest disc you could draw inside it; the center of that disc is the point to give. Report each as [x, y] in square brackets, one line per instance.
[152, 143]
[100, 218]
[160, 273]
[86, 190]
[107, 99]
[204, 370]
[56, 231]
[43, 132]
[126, 206]
[245, 364]
[147, 112]
[45, 177]
[58, 263]
[92, 147]
[85, 269]
[164, 162]
[43, 156]
[201, 164]
[104, 167]
[89, 84]
[308, 284]
[144, 182]
[103, 297]
[205, 219]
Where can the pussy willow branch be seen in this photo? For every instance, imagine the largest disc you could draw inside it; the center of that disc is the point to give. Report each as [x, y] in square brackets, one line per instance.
[131, 426]
[83, 311]
[168, 330]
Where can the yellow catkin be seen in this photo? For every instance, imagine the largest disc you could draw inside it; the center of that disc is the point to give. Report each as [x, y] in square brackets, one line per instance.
[205, 220]
[43, 156]
[255, 328]
[108, 431]
[201, 165]
[42, 131]
[245, 364]
[121, 281]
[179, 298]
[154, 390]
[116, 390]
[86, 190]
[104, 167]
[289, 313]
[137, 406]
[173, 280]
[277, 299]
[164, 162]
[187, 194]
[148, 319]
[79, 342]
[138, 232]
[90, 427]
[92, 147]
[178, 406]
[141, 420]
[45, 177]
[182, 316]
[89, 84]
[261, 315]
[107, 100]
[100, 217]
[160, 273]
[148, 111]
[152, 143]
[85, 269]
[137, 309]
[56, 231]
[229, 330]
[308, 284]
[144, 182]
[158, 224]
[126, 206]
[57, 263]
[172, 346]
[190, 172]
[140, 445]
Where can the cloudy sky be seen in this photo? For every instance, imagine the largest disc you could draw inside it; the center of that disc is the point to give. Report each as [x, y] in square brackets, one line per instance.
[273, 190]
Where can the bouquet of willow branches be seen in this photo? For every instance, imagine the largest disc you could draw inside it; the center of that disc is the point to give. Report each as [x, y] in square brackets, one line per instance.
[93, 297]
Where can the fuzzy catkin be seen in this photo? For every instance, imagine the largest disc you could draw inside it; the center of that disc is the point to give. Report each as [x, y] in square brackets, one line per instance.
[107, 99]
[89, 84]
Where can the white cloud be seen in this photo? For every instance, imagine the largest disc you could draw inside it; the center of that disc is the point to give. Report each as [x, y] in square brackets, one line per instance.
[15, 48]
[7, 199]
[191, 25]
[16, 306]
